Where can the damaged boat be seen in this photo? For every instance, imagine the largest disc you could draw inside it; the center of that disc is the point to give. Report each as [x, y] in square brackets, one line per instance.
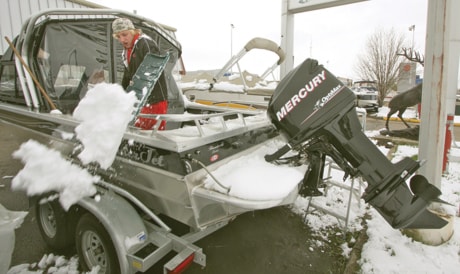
[240, 89]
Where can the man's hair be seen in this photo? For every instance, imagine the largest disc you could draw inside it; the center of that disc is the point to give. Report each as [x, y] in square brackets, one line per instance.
[133, 31]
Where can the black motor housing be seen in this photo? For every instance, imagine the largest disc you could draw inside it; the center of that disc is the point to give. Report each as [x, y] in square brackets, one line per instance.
[305, 99]
[317, 113]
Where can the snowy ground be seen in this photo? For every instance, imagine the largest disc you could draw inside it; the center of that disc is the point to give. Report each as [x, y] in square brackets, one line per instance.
[386, 251]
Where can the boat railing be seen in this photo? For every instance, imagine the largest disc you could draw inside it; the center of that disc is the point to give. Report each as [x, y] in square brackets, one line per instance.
[197, 129]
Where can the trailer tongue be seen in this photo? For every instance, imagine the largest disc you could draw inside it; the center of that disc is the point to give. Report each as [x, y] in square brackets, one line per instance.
[316, 111]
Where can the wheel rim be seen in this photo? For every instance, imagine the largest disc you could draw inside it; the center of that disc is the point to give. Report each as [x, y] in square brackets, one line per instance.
[48, 220]
[94, 251]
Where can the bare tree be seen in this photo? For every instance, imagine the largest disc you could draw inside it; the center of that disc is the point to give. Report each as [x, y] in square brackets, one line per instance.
[380, 61]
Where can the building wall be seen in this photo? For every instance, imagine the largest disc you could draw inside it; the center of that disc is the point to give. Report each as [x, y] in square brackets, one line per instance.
[13, 14]
[407, 77]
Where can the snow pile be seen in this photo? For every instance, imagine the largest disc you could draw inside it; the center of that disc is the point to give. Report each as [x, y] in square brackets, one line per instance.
[390, 251]
[226, 86]
[265, 85]
[51, 264]
[196, 84]
[251, 177]
[9, 221]
[105, 112]
[46, 170]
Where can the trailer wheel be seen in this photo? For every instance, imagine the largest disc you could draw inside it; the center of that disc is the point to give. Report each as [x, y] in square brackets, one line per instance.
[95, 247]
[52, 222]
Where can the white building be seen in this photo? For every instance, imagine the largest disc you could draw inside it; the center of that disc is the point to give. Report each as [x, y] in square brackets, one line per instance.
[13, 13]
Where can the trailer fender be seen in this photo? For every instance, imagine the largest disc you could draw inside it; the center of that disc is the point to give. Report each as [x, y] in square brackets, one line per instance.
[122, 222]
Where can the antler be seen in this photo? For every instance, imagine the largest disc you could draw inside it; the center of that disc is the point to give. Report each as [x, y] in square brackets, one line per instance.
[413, 56]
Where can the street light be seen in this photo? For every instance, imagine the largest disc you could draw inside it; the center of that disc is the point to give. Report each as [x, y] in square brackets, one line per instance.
[231, 40]
[231, 44]
[412, 28]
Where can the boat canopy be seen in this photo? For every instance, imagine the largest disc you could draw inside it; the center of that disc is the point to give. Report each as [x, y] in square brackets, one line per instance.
[262, 43]
[254, 43]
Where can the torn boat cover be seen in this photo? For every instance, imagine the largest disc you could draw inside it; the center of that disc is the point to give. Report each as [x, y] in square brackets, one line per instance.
[317, 113]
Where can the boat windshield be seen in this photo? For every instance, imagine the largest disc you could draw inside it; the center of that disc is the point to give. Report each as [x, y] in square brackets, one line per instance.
[73, 55]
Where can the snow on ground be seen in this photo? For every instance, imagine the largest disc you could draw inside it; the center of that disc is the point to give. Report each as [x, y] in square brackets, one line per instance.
[52, 264]
[410, 113]
[386, 251]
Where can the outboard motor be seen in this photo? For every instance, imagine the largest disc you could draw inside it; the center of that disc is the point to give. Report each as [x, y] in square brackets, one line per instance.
[317, 114]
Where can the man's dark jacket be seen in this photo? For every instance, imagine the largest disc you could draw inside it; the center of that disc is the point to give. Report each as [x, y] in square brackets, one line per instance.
[142, 46]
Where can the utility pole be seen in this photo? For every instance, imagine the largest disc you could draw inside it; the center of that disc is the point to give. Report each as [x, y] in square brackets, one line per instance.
[412, 28]
[231, 44]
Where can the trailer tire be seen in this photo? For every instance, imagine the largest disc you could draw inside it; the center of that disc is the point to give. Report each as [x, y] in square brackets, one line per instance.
[94, 246]
[52, 222]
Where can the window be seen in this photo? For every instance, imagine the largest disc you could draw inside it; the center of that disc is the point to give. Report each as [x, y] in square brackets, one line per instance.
[8, 78]
[73, 56]
[10, 88]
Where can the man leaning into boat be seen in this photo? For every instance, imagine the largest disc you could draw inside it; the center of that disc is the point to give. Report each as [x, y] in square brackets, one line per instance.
[136, 46]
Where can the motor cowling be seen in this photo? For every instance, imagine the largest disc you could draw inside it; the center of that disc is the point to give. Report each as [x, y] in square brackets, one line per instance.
[305, 98]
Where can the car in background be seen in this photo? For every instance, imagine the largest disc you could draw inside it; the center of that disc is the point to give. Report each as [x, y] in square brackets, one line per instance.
[367, 98]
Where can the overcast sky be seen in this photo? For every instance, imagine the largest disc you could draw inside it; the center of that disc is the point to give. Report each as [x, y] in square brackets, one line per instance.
[334, 36]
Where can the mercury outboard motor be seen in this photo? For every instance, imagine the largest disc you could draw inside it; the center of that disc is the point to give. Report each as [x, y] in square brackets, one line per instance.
[317, 114]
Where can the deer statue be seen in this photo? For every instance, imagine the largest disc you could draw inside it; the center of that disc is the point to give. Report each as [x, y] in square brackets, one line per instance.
[402, 101]
[408, 98]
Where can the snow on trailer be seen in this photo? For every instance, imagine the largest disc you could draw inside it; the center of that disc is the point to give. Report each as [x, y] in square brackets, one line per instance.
[136, 178]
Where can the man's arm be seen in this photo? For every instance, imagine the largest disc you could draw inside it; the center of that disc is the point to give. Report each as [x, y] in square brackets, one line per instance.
[126, 79]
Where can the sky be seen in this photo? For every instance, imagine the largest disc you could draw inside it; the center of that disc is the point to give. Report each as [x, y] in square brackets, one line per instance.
[334, 36]
[386, 251]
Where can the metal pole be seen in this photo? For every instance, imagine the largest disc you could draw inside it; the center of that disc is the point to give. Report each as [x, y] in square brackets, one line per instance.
[439, 84]
[412, 28]
[34, 78]
[287, 38]
[231, 40]
[231, 44]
